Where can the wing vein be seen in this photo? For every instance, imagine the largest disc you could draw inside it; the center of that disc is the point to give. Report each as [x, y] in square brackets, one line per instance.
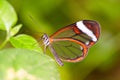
[61, 50]
[67, 47]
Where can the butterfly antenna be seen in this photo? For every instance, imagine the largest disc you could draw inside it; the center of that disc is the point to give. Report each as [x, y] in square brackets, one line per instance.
[30, 17]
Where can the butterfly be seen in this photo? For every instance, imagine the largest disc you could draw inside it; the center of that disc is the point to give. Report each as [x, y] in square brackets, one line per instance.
[71, 43]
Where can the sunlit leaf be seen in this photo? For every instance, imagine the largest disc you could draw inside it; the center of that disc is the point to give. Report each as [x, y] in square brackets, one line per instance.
[15, 30]
[2, 26]
[20, 64]
[8, 17]
[25, 41]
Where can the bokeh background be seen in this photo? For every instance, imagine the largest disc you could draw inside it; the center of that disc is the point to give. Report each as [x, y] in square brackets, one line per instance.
[103, 60]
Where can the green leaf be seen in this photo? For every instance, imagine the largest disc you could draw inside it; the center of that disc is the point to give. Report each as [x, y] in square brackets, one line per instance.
[2, 25]
[26, 42]
[15, 30]
[21, 64]
[8, 17]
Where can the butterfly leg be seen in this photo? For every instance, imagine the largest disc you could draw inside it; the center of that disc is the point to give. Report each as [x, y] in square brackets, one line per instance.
[56, 56]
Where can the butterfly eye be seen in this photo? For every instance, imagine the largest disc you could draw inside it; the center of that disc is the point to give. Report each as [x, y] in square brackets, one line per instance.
[44, 37]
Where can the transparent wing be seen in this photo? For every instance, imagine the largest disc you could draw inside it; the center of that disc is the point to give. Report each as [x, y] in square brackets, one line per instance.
[71, 43]
[71, 31]
[69, 51]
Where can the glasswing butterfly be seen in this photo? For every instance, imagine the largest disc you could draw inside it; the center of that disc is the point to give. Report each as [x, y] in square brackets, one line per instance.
[71, 43]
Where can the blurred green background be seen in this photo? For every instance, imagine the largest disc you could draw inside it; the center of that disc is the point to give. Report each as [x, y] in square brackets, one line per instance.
[103, 60]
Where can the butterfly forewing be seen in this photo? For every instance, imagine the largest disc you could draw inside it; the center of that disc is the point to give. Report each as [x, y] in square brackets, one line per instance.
[73, 31]
[69, 33]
